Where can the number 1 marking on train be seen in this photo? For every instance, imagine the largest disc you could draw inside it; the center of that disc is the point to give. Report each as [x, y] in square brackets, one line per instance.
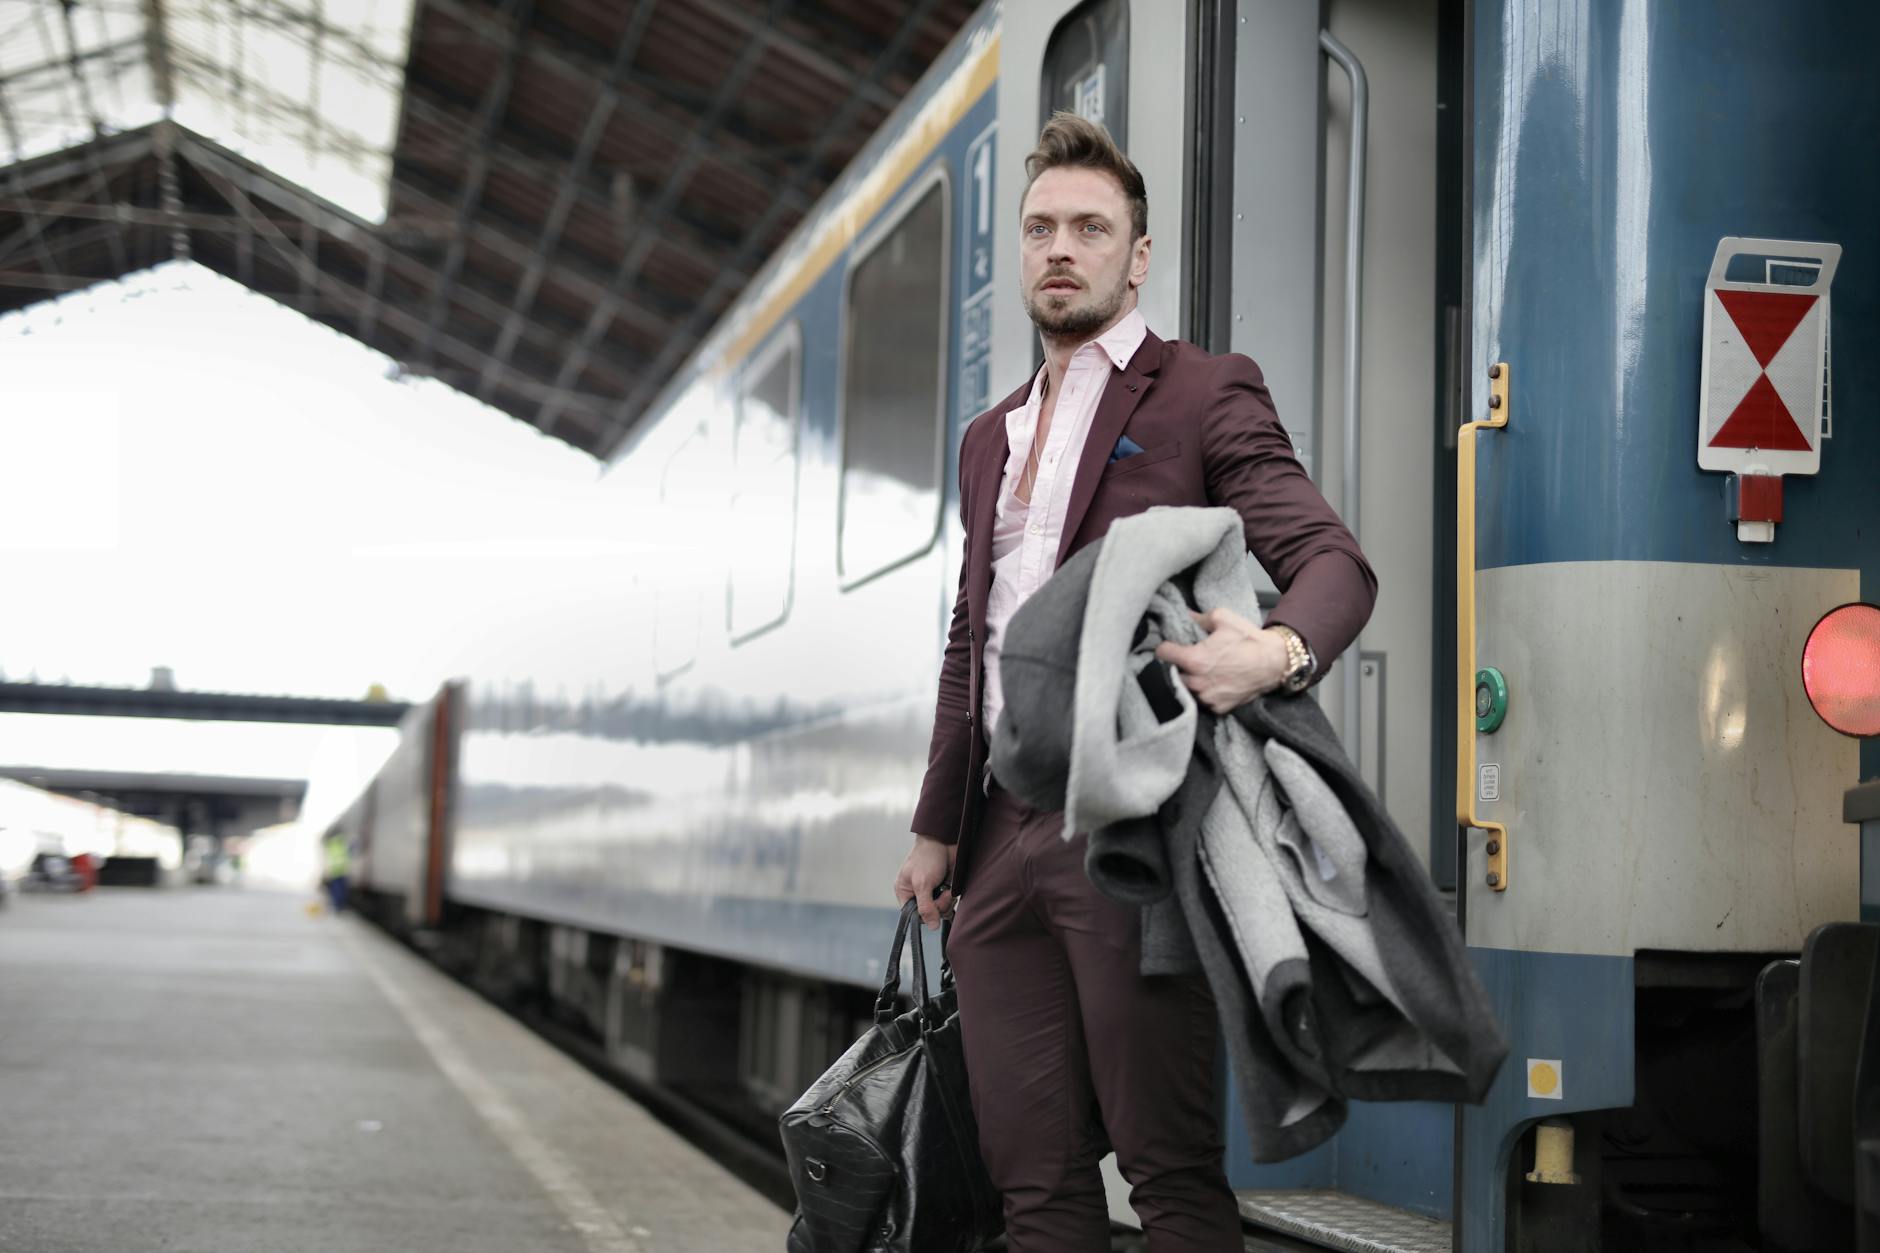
[982, 175]
[975, 311]
[979, 214]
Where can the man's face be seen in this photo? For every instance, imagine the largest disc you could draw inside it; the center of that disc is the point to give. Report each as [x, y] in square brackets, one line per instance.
[1078, 267]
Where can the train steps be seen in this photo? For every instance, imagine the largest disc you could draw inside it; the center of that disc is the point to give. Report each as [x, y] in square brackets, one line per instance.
[1329, 1219]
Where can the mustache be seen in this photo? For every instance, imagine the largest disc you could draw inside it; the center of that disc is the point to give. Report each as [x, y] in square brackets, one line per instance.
[1052, 276]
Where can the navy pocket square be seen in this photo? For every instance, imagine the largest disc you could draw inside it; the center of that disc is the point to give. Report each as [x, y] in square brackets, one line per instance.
[1125, 447]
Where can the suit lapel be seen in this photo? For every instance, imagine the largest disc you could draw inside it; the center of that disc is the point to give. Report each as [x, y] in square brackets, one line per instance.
[1121, 395]
[986, 472]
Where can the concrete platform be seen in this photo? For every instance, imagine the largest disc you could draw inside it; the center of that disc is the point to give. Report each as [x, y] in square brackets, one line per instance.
[213, 1069]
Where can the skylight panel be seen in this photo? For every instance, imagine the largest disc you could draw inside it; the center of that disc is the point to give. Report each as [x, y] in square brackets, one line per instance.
[309, 88]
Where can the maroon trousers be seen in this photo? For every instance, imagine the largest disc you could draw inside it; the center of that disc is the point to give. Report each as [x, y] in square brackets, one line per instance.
[1072, 1052]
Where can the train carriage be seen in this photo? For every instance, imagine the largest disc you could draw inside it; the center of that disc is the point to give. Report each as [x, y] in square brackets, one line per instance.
[1412, 215]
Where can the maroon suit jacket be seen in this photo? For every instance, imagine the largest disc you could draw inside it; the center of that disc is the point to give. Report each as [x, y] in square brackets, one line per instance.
[1208, 436]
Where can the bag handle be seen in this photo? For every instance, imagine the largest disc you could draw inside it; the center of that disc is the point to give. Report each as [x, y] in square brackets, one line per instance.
[891, 986]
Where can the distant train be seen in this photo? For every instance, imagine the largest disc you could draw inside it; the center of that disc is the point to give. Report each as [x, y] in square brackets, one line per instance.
[690, 857]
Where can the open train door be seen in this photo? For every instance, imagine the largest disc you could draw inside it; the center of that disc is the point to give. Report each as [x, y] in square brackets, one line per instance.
[1343, 211]
[1262, 128]
[1239, 114]
[1126, 64]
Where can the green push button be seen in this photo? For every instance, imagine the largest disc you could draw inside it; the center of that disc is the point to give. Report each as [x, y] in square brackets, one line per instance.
[1491, 699]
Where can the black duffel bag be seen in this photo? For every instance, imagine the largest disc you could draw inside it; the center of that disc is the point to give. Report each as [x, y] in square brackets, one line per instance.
[883, 1150]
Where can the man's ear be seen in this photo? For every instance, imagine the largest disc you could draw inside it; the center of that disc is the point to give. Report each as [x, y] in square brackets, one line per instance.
[1139, 262]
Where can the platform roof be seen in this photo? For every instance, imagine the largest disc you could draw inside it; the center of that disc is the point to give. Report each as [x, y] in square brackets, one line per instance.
[225, 804]
[544, 203]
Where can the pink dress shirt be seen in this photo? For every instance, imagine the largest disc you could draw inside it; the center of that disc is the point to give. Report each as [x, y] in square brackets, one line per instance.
[1025, 538]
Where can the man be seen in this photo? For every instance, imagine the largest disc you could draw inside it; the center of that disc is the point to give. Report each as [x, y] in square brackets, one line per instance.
[1070, 1049]
[336, 855]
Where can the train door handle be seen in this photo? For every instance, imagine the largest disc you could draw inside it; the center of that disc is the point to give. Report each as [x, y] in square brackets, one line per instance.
[1497, 847]
[1347, 61]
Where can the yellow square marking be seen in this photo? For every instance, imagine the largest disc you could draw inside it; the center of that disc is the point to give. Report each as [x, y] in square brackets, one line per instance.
[1544, 1078]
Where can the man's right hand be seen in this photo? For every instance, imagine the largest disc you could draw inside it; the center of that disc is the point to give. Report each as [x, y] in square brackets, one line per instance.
[929, 865]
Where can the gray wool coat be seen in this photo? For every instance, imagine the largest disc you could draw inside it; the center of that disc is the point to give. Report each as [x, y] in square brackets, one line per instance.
[1257, 852]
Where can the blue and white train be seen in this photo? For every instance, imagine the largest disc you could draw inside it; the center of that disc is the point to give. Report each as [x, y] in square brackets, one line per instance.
[1379, 201]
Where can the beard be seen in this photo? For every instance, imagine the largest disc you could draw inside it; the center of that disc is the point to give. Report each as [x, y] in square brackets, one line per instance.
[1063, 317]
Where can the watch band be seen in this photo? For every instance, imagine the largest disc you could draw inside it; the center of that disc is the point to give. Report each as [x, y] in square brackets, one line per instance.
[1301, 665]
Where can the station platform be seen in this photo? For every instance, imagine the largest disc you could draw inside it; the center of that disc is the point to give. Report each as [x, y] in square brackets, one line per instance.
[215, 1069]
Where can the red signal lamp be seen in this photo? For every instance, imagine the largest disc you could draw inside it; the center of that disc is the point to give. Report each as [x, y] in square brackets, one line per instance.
[1841, 669]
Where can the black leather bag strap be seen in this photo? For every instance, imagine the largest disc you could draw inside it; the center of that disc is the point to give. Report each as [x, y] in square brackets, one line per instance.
[891, 985]
[885, 1008]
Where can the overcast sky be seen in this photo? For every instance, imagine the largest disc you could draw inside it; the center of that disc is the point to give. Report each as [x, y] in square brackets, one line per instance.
[192, 476]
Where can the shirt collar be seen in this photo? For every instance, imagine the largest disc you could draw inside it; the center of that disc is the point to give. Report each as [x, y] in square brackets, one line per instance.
[1119, 344]
[1121, 341]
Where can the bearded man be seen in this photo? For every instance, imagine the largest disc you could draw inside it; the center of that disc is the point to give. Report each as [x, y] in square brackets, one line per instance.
[1071, 1050]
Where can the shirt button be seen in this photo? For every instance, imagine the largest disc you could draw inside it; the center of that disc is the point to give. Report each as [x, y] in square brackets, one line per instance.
[1036, 529]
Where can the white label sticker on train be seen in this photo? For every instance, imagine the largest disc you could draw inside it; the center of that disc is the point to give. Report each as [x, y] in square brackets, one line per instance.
[1089, 96]
[1490, 775]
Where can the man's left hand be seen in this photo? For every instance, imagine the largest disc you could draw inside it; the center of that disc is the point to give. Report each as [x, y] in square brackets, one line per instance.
[1235, 663]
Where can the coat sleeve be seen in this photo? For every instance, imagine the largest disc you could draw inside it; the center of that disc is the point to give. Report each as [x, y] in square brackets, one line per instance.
[1327, 588]
[942, 792]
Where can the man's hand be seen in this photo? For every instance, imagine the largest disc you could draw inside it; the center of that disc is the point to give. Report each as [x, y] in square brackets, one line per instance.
[1237, 662]
[929, 865]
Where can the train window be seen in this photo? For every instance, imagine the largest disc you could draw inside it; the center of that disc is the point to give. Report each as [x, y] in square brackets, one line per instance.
[892, 392]
[1086, 67]
[763, 490]
[688, 495]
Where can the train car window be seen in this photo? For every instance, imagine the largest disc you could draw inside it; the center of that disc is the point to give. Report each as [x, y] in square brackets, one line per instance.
[892, 392]
[688, 494]
[763, 491]
[1086, 67]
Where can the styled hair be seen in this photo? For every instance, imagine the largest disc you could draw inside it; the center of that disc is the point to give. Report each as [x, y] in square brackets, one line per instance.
[1069, 140]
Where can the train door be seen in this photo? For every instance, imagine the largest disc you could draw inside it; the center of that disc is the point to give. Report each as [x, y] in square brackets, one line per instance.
[1240, 115]
[1129, 65]
[1346, 272]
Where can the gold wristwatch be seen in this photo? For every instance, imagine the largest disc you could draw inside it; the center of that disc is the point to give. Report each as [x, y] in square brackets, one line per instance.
[1301, 665]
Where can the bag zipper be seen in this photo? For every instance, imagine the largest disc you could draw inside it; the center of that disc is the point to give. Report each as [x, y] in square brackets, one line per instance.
[829, 1105]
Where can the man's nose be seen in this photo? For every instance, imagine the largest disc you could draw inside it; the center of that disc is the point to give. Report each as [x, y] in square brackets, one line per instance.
[1060, 249]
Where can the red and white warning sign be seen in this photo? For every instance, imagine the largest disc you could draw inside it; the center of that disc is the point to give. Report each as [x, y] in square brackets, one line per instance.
[1760, 407]
[1762, 402]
